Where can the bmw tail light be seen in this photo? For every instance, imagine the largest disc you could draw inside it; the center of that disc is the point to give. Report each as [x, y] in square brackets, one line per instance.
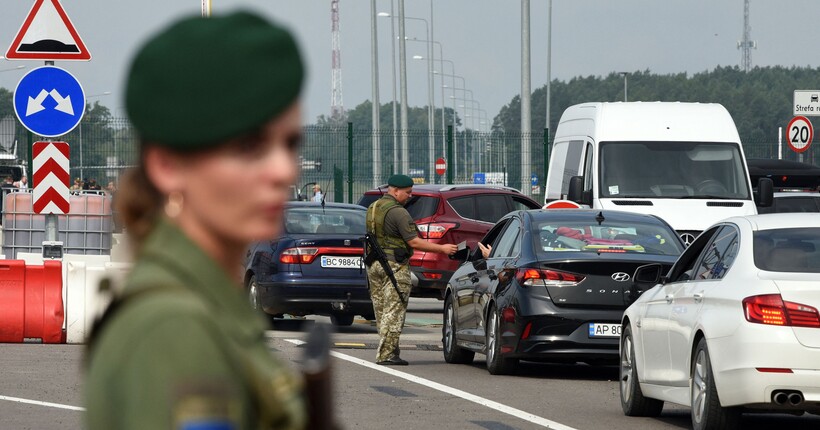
[298, 255]
[771, 309]
[435, 230]
[547, 278]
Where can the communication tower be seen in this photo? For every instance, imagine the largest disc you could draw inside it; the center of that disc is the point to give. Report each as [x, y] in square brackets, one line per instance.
[747, 44]
[337, 110]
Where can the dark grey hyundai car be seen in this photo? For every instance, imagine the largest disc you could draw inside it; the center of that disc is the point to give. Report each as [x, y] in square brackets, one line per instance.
[553, 288]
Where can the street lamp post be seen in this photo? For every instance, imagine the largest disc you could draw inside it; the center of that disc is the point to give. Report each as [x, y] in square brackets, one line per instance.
[393, 65]
[377, 165]
[405, 151]
[430, 107]
[624, 74]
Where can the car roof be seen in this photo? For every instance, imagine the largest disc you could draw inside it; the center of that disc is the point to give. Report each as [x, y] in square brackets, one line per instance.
[328, 205]
[443, 188]
[778, 220]
[567, 214]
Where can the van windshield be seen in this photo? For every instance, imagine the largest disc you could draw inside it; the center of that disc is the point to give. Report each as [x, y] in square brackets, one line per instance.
[672, 170]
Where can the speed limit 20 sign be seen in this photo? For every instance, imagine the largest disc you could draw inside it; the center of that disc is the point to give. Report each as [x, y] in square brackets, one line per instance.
[800, 133]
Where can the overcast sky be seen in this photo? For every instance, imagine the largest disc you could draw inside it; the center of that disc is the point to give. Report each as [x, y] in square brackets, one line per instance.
[481, 37]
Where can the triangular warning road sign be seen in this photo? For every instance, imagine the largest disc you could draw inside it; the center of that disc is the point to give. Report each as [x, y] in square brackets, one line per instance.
[47, 34]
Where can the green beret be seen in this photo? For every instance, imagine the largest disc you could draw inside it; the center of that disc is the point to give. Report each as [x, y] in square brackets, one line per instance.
[202, 81]
[400, 181]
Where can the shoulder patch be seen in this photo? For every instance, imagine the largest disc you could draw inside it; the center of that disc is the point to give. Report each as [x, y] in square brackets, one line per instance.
[206, 405]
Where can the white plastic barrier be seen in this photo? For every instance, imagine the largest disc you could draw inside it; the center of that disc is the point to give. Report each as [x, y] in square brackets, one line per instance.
[84, 300]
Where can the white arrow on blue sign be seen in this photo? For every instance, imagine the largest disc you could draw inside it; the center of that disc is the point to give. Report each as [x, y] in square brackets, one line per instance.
[49, 101]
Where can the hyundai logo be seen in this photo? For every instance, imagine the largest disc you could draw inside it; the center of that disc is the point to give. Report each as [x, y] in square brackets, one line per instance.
[687, 238]
[620, 277]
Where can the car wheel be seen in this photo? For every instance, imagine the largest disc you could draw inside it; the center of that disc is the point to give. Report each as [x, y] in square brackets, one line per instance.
[342, 320]
[452, 353]
[253, 299]
[707, 413]
[497, 364]
[253, 293]
[633, 401]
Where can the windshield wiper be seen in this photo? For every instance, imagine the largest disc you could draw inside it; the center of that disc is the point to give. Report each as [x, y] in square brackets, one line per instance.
[709, 196]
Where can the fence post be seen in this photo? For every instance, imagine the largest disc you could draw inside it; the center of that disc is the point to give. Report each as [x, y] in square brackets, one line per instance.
[546, 158]
[350, 162]
[450, 160]
[338, 185]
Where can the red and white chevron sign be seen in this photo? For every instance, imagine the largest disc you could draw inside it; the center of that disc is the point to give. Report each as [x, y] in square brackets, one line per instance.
[51, 178]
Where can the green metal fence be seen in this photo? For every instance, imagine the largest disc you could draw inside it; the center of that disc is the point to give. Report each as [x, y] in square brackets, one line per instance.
[347, 160]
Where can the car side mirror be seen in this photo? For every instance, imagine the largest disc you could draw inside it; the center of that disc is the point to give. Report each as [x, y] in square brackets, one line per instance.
[645, 277]
[648, 274]
[463, 254]
[474, 254]
[765, 193]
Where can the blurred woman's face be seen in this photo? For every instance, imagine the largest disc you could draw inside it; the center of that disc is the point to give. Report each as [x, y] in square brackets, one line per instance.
[236, 193]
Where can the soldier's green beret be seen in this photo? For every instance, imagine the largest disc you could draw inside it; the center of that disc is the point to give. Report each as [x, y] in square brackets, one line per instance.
[400, 181]
[204, 80]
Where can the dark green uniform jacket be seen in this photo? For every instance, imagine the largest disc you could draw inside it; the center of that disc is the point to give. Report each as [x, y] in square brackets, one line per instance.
[186, 350]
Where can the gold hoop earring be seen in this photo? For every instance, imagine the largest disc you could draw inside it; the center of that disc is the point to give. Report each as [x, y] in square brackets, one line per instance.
[173, 207]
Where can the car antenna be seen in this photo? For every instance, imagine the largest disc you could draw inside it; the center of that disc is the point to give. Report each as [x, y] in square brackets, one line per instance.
[324, 194]
[600, 218]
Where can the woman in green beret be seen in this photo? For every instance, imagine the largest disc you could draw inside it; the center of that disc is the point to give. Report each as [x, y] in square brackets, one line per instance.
[214, 101]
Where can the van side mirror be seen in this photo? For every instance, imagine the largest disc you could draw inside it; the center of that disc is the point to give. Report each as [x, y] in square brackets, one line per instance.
[576, 189]
[765, 193]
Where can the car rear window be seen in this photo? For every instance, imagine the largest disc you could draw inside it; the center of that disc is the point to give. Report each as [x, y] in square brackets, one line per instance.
[418, 206]
[367, 199]
[314, 220]
[787, 250]
[491, 207]
[422, 206]
[607, 237]
[464, 206]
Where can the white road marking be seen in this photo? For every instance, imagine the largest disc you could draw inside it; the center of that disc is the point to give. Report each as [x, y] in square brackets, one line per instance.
[526, 416]
[36, 402]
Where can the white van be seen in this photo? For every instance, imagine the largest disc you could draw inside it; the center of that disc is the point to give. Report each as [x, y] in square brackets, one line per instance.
[680, 161]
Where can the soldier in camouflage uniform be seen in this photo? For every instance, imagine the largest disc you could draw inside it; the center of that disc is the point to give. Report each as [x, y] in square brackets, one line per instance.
[396, 233]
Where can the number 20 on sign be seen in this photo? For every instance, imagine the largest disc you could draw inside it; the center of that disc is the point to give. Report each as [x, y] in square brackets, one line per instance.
[799, 133]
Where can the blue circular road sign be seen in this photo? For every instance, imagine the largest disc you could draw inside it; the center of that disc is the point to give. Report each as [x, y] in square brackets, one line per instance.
[49, 101]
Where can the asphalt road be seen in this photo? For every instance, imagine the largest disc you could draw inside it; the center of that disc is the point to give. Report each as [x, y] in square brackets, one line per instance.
[41, 386]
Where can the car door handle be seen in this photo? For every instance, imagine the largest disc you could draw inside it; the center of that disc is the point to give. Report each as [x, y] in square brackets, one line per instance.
[670, 298]
[698, 297]
[492, 276]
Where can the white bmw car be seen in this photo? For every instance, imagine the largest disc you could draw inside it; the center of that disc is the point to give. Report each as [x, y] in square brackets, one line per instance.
[732, 327]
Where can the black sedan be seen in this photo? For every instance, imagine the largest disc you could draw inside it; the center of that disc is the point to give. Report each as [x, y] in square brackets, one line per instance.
[315, 267]
[553, 288]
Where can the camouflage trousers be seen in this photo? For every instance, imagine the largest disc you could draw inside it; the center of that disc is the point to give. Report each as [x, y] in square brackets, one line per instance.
[390, 310]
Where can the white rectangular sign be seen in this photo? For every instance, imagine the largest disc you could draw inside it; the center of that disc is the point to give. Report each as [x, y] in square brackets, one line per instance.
[807, 102]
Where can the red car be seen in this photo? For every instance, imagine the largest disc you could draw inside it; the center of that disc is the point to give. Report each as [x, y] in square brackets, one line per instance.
[451, 214]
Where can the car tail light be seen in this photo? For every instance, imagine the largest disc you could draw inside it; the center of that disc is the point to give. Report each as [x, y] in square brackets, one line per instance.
[435, 230]
[298, 255]
[771, 309]
[431, 275]
[526, 333]
[301, 255]
[547, 278]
